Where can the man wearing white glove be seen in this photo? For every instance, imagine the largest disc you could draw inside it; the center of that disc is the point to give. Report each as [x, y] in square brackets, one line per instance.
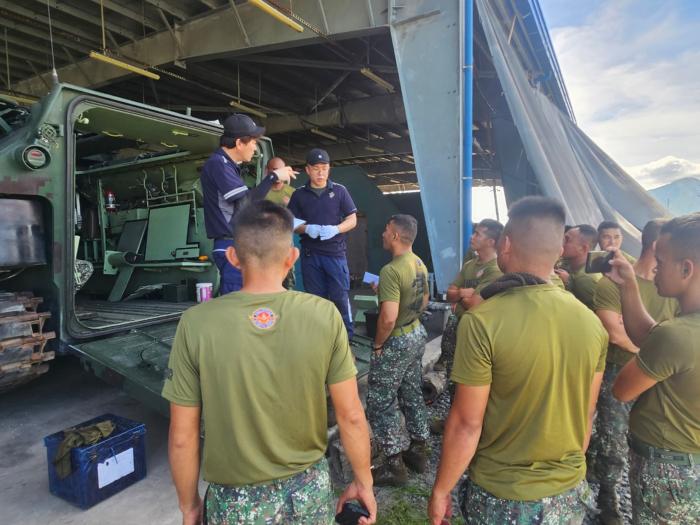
[330, 213]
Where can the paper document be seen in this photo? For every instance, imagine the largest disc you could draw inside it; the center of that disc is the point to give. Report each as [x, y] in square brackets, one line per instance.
[370, 278]
[298, 222]
[115, 467]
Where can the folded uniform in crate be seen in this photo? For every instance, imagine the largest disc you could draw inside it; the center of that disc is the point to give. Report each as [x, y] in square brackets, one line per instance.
[96, 459]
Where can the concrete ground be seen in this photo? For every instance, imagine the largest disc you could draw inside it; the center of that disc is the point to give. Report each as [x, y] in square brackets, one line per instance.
[63, 397]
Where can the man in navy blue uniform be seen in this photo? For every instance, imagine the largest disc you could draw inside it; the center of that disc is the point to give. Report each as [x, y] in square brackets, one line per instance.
[225, 192]
[329, 213]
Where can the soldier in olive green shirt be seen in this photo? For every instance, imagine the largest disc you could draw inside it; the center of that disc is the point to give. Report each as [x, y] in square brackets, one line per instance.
[528, 367]
[281, 192]
[463, 292]
[610, 238]
[395, 374]
[613, 416]
[256, 364]
[578, 241]
[665, 380]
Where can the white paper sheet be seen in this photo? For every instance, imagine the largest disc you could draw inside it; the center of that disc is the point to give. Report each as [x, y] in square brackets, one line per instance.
[115, 467]
[371, 278]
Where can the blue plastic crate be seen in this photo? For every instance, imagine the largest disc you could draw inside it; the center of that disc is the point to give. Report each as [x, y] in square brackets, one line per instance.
[103, 469]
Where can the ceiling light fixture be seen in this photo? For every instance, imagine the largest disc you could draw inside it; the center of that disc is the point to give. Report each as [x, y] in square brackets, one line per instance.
[377, 79]
[276, 13]
[247, 109]
[123, 65]
[322, 133]
[373, 149]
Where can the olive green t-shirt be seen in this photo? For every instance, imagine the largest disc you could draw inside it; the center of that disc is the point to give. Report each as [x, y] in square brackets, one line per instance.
[278, 196]
[258, 364]
[405, 281]
[668, 414]
[539, 348]
[607, 297]
[583, 285]
[477, 275]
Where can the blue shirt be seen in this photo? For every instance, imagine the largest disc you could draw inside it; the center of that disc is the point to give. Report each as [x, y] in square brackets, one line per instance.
[224, 189]
[331, 207]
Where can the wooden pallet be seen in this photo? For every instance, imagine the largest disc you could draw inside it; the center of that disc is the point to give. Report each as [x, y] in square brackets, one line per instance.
[23, 354]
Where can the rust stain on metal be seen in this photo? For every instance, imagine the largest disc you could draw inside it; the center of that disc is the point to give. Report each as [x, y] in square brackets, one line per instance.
[27, 185]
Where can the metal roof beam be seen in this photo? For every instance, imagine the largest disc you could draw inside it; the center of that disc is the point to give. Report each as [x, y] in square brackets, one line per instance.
[209, 36]
[33, 15]
[381, 109]
[43, 35]
[347, 150]
[211, 4]
[128, 13]
[315, 64]
[94, 20]
[170, 8]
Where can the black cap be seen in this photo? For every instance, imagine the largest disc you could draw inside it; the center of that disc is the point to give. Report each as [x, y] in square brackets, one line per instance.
[239, 125]
[317, 156]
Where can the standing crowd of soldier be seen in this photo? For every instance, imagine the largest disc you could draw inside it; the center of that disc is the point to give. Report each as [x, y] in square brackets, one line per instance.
[532, 342]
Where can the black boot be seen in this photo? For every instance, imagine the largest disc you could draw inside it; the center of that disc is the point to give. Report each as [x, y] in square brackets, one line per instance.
[416, 457]
[391, 473]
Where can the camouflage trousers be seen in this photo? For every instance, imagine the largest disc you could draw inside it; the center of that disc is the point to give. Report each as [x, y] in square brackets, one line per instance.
[664, 493]
[483, 508]
[305, 498]
[612, 423]
[395, 380]
[449, 343]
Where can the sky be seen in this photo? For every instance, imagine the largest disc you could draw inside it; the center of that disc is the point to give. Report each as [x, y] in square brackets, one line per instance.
[632, 70]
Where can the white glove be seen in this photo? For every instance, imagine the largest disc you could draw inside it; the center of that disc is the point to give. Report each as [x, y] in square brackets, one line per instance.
[313, 230]
[328, 232]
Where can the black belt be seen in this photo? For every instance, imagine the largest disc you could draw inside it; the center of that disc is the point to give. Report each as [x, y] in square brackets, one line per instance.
[662, 455]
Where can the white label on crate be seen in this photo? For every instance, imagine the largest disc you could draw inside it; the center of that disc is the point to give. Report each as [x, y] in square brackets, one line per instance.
[115, 467]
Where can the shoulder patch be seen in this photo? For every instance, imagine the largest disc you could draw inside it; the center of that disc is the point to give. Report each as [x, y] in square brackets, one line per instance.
[263, 318]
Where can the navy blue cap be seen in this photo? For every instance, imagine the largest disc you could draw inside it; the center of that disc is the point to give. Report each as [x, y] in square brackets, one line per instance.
[239, 125]
[317, 156]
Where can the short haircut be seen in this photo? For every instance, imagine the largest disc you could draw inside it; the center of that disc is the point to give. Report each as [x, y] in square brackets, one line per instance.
[589, 234]
[493, 229]
[608, 225]
[230, 142]
[650, 233]
[536, 228]
[406, 226]
[685, 236]
[262, 231]
[537, 208]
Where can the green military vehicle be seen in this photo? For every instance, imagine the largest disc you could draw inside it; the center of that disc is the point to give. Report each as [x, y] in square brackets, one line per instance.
[103, 234]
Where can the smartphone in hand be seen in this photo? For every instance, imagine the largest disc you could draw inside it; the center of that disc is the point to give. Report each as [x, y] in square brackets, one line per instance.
[599, 262]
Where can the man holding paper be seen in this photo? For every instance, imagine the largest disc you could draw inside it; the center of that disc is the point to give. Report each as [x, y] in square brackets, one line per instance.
[395, 367]
[330, 213]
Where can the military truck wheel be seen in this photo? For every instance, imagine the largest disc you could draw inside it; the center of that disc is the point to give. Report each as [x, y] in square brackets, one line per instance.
[23, 354]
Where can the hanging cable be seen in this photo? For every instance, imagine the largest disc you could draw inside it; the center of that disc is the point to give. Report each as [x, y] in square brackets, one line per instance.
[102, 19]
[7, 63]
[54, 73]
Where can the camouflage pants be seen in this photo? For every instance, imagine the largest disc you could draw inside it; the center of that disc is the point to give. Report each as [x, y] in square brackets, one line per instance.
[395, 379]
[664, 493]
[305, 498]
[449, 343]
[612, 424]
[483, 508]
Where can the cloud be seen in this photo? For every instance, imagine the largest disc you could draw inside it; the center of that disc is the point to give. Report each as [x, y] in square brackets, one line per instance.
[632, 76]
[664, 171]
